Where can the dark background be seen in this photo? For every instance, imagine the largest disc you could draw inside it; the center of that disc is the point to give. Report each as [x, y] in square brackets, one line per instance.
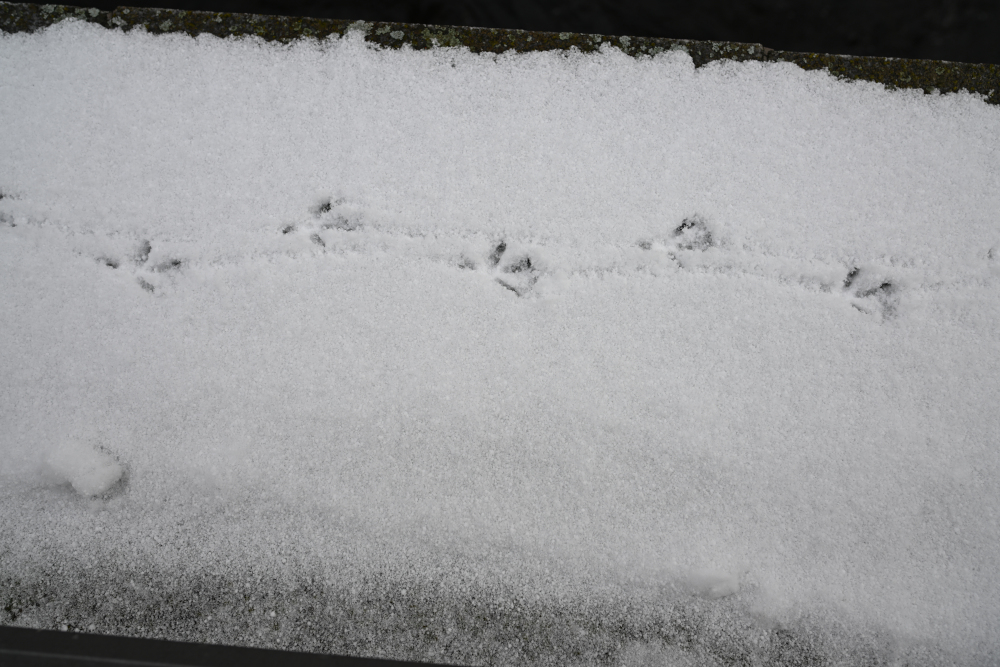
[957, 30]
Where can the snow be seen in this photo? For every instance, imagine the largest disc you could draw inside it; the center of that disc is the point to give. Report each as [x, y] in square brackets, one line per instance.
[583, 324]
[88, 470]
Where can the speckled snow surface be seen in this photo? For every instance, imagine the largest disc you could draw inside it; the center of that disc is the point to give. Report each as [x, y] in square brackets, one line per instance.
[522, 359]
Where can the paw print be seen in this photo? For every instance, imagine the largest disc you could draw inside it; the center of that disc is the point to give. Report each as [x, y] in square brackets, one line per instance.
[514, 271]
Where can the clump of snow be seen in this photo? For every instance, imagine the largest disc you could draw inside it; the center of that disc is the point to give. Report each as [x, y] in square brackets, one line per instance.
[90, 471]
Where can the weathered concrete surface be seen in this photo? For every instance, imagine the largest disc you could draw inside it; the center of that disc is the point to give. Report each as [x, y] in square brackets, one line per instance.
[926, 75]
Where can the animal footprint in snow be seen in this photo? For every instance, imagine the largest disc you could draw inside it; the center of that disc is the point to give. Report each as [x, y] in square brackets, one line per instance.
[334, 215]
[142, 254]
[693, 234]
[148, 267]
[326, 215]
[7, 218]
[516, 271]
[297, 229]
[872, 292]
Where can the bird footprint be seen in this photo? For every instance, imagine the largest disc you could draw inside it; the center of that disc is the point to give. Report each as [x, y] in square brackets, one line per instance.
[141, 260]
[327, 215]
[516, 271]
[872, 294]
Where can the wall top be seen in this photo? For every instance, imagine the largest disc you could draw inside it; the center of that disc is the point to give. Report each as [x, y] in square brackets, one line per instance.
[926, 75]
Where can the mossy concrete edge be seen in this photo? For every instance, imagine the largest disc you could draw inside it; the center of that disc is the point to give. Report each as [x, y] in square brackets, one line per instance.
[893, 73]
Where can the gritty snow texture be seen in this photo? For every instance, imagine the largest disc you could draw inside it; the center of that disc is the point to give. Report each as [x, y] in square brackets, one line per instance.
[542, 358]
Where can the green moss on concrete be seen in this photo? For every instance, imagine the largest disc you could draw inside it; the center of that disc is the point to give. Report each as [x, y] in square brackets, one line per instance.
[926, 75]
[29, 18]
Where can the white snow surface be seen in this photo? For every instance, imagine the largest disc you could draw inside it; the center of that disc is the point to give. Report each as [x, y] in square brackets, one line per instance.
[259, 277]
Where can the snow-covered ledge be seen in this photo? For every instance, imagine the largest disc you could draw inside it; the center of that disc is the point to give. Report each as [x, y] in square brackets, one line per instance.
[634, 352]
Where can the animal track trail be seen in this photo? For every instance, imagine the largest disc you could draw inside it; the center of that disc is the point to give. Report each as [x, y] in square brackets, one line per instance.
[337, 226]
[692, 246]
[154, 270]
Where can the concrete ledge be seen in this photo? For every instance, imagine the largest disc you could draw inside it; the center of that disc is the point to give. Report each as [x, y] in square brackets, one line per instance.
[926, 75]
